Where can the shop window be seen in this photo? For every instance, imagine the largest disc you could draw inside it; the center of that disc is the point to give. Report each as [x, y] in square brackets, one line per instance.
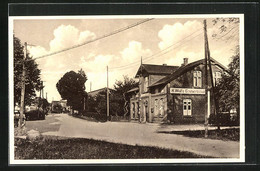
[217, 77]
[197, 79]
[187, 107]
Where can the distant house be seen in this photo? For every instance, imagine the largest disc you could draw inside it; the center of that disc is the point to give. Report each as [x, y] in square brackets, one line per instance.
[172, 93]
[64, 105]
[56, 107]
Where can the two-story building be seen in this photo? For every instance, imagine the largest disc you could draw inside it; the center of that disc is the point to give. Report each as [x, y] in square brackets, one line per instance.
[172, 93]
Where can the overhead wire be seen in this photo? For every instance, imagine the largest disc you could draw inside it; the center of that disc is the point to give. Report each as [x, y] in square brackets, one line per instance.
[93, 40]
[159, 52]
[226, 33]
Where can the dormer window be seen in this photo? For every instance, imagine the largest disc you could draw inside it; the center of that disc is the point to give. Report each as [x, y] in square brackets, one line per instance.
[197, 79]
[217, 77]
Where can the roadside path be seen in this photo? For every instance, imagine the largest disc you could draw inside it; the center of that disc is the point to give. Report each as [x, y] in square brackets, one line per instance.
[145, 135]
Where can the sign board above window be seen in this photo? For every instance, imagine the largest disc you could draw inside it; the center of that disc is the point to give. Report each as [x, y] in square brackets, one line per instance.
[186, 91]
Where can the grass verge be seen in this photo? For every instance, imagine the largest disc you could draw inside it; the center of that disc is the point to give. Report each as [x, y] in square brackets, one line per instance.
[78, 148]
[223, 134]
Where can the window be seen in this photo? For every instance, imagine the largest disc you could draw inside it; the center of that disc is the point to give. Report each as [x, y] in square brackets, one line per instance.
[217, 76]
[145, 84]
[187, 107]
[197, 78]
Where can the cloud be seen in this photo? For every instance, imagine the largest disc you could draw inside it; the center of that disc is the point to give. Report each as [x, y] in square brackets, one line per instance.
[55, 66]
[170, 34]
[95, 65]
[67, 36]
[178, 60]
[134, 51]
[99, 62]
[191, 46]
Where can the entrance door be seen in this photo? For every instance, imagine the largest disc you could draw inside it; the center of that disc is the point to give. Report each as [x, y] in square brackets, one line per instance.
[187, 107]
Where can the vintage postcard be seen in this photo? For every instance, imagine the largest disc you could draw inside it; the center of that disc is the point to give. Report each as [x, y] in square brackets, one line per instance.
[126, 89]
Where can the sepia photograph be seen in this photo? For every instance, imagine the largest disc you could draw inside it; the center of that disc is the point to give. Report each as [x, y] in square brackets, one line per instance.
[126, 89]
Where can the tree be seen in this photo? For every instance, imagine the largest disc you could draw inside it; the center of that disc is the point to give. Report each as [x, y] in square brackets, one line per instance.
[227, 90]
[118, 105]
[120, 102]
[72, 88]
[228, 28]
[32, 78]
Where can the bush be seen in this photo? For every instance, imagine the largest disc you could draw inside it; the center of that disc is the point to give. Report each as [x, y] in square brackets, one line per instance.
[225, 119]
[96, 116]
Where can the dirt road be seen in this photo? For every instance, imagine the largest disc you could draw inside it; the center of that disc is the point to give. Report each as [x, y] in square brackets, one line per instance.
[135, 133]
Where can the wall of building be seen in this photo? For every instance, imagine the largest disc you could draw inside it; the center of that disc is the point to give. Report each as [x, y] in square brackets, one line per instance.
[172, 109]
[198, 102]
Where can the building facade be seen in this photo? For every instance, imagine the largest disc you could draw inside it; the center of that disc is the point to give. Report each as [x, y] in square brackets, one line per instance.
[172, 93]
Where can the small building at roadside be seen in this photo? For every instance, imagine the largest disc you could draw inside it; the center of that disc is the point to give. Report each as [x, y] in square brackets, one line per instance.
[101, 90]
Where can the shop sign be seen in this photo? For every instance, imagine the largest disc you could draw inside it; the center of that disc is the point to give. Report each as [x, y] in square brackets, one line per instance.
[186, 91]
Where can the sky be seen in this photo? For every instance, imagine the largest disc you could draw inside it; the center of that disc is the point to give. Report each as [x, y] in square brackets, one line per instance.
[175, 38]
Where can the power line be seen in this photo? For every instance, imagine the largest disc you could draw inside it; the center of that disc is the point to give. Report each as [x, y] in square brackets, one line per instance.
[159, 53]
[226, 33]
[177, 46]
[101, 37]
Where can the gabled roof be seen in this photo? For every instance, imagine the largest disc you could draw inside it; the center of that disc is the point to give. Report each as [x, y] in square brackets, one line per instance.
[156, 69]
[133, 90]
[184, 69]
[95, 92]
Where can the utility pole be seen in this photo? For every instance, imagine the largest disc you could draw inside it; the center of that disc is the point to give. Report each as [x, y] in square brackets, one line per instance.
[42, 91]
[90, 86]
[46, 96]
[207, 95]
[213, 90]
[39, 101]
[140, 92]
[107, 96]
[23, 87]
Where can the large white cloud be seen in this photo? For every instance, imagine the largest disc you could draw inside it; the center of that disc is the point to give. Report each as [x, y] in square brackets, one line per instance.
[67, 36]
[188, 42]
[55, 66]
[170, 34]
[95, 65]
[134, 51]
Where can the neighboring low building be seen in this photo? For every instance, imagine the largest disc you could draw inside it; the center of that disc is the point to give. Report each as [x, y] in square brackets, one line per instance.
[172, 93]
[56, 107]
[96, 92]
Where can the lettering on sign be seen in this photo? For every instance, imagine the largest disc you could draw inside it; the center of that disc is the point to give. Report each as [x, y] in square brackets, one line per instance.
[186, 91]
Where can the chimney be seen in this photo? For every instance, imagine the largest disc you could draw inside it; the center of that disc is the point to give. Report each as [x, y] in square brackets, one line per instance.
[185, 61]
